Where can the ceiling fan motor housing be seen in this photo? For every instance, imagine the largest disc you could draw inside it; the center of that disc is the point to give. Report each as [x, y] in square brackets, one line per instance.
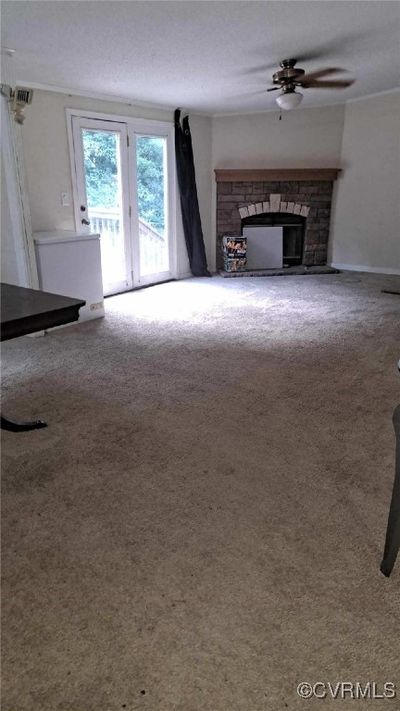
[288, 75]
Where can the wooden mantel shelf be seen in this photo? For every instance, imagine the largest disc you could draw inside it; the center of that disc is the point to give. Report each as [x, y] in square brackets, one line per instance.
[253, 175]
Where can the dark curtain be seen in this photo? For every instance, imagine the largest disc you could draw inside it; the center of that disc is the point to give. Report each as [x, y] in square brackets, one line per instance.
[188, 195]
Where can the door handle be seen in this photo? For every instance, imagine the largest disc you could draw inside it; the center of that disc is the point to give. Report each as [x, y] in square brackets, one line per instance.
[85, 222]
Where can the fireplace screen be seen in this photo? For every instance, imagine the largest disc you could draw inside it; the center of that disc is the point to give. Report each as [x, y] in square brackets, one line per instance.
[264, 246]
[293, 227]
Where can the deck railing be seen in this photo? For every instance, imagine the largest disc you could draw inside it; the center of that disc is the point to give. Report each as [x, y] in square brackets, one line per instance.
[152, 244]
[105, 220]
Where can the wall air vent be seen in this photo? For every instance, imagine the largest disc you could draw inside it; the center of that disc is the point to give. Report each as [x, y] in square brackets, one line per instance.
[23, 95]
[20, 97]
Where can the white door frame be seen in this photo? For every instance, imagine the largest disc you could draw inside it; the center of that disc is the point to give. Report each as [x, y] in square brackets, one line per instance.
[134, 127]
[79, 123]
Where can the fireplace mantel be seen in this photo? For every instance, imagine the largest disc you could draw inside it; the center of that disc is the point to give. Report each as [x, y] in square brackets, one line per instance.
[231, 175]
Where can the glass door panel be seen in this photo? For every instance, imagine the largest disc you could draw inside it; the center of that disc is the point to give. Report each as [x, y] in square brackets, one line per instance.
[102, 167]
[152, 202]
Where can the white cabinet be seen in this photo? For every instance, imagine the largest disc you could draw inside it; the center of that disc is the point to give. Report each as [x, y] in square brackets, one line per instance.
[69, 263]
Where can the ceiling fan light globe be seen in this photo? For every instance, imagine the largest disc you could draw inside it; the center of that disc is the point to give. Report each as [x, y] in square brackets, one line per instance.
[289, 100]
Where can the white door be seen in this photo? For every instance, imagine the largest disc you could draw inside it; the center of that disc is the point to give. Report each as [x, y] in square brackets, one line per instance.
[100, 151]
[124, 182]
[151, 225]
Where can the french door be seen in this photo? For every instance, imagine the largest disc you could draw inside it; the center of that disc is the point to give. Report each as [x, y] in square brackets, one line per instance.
[124, 190]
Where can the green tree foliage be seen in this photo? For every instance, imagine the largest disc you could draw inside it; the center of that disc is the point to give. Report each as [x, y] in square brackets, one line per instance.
[100, 151]
[101, 170]
[150, 180]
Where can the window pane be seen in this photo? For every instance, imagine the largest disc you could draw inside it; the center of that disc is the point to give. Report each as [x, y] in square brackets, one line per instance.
[101, 150]
[152, 201]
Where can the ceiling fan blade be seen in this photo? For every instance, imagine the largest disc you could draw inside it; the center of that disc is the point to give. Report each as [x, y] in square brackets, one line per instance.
[344, 44]
[309, 56]
[274, 88]
[275, 65]
[339, 84]
[319, 73]
[246, 95]
[257, 70]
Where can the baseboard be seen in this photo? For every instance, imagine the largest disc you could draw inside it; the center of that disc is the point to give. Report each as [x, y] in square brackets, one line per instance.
[361, 268]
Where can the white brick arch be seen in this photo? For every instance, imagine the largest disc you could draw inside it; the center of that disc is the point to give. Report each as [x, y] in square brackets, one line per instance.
[275, 204]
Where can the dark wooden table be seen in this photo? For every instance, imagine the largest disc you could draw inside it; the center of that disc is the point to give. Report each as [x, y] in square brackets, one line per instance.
[392, 542]
[25, 311]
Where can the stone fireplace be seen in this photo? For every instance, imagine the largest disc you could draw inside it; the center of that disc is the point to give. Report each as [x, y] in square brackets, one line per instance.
[299, 200]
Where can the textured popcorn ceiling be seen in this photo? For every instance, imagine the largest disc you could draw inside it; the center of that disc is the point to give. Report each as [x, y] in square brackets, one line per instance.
[198, 55]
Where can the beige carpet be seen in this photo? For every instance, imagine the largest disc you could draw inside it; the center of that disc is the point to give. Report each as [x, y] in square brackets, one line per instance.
[201, 525]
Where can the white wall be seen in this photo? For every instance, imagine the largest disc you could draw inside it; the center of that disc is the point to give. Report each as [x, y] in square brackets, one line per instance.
[365, 231]
[305, 138]
[48, 164]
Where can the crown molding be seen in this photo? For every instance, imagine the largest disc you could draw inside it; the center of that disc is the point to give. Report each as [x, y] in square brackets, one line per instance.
[116, 99]
[303, 107]
[376, 94]
[98, 96]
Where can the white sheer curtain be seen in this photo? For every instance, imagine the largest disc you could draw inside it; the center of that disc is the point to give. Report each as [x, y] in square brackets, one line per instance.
[18, 264]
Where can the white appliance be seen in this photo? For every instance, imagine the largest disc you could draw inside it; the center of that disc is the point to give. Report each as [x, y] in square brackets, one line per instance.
[264, 247]
[69, 263]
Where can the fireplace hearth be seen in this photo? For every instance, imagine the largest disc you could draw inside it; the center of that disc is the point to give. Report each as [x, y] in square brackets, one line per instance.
[298, 200]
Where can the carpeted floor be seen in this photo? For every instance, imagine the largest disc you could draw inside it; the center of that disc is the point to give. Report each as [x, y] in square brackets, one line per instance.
[201, 525]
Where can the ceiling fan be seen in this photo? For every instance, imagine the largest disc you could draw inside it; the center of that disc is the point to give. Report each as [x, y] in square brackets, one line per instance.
[289, 77]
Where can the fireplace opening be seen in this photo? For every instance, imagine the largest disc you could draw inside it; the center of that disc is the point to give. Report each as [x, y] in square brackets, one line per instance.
[293, 229]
